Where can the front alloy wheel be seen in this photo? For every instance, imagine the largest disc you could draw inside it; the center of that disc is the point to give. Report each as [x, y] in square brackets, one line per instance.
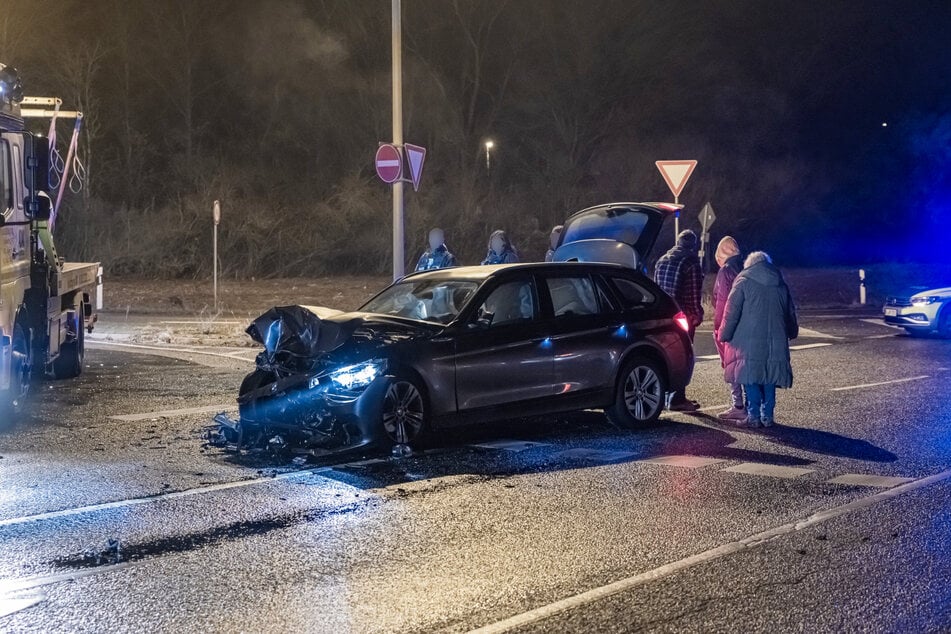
[404, 412]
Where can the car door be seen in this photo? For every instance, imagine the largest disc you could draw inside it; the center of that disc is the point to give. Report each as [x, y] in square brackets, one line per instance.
[586, 342]
[503, 356]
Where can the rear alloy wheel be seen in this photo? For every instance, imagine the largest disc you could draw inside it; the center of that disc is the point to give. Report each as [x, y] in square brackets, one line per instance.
[12, 400]
[404, 412]
[640, 394]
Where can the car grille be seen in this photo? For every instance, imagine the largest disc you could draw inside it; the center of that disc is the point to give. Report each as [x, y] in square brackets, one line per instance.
[898, 301]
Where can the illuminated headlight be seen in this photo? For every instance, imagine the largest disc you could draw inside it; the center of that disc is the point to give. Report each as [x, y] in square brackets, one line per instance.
[354, 377]
[924, 300]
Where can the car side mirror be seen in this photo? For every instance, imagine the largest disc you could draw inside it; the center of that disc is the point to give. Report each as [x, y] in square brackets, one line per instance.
[38, 164]
[38, 207]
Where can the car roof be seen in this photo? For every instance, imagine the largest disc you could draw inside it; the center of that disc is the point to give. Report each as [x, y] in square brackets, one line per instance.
[665, 207]
[481, 273]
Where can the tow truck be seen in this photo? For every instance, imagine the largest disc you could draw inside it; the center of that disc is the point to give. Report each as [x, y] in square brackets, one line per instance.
[46, 303]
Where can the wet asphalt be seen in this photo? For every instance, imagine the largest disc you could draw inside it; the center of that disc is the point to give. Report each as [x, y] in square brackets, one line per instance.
[116, 517]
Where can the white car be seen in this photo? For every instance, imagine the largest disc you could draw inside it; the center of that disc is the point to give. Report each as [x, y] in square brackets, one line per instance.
[923, 312]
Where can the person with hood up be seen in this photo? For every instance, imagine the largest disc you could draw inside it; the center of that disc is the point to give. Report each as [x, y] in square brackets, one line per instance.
[758, 322]
[730, 261]
[679, 274]
[437, 256]
[553, 238]
[501, 250]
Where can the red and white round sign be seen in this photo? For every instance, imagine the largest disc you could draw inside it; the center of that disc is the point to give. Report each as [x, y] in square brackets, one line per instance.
[389, 163]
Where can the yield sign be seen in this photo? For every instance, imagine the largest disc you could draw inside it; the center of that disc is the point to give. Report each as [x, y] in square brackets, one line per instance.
[676, 174]
[415, 156]
[389, 163]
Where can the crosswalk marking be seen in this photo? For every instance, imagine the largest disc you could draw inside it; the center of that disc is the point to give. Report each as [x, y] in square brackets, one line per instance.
[690, 462]
[868, 480]
[769, 470]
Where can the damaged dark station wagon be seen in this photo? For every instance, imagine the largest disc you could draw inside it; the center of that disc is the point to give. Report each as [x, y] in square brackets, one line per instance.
[462, 345]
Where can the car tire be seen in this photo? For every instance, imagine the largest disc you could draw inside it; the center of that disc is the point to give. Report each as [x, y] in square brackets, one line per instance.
[68, 363]
[944, 322]
[639, 395]
[12, 399]
[259, 378]
[404, 412]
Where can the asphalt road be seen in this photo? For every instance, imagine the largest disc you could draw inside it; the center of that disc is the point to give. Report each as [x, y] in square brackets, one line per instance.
[838, 519]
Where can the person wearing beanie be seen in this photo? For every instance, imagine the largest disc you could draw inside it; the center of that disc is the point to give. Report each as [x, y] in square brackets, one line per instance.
[730, 261]
[679, 274]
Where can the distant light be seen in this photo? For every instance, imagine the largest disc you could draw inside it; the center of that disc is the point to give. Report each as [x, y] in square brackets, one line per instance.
[489, 145]
[884, 124]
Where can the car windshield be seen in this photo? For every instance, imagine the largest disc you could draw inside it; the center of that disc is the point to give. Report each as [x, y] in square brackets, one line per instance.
[437, 301]
[620, 224]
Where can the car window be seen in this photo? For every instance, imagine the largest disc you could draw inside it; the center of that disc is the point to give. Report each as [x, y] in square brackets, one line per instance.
[427, 300]
[573, 296]
[510, 303]
[632, 293]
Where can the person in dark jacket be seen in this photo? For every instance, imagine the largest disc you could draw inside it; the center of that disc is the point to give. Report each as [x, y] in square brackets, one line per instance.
[759, 320]
[730, 261]
[679, 274]
[501, 249]
[437, 256]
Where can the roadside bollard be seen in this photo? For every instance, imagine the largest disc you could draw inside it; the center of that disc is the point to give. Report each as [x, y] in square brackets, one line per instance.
[862, 287]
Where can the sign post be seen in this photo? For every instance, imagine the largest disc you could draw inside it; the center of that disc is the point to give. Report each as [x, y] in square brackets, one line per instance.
[216, 217]
[675, 174]
[706, 220]
[398, 216]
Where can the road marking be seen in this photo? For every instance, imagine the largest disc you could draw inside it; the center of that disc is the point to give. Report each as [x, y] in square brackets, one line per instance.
[890, 335]
[159, 497]
[597, 455]
[867, 480]
[879, 322]
[864, 385]
[769, 470]
[710, 408]
[137, 346]
[815, 334]
[690, 462]
[623, 585]
[9, 605]
[809, 346]
[511, 445]
[176, 412]
[708, 357]
[211, 322]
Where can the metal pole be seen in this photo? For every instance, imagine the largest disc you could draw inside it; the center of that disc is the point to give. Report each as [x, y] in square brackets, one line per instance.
[215, 275]
[676, 219]
[398, 216]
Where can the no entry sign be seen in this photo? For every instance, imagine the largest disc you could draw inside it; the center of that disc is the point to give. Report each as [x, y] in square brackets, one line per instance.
[389, 163]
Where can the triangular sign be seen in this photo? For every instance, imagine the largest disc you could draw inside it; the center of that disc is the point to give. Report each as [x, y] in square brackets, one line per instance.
[676, 174]
[415, 156]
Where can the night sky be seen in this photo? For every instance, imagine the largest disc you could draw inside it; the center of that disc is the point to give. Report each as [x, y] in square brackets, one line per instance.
[277, 107]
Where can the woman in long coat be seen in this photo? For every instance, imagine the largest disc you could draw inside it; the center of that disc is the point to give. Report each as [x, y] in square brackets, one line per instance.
[759, 321]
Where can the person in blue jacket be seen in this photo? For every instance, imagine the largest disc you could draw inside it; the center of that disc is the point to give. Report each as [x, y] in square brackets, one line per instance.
[437, 256]
[501, 249]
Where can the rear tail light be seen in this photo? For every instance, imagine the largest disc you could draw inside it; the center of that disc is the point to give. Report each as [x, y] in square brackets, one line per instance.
[682, 321]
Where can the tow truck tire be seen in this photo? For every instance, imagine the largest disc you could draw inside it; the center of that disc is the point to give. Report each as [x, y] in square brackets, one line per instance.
[11, 400]
[69, 363]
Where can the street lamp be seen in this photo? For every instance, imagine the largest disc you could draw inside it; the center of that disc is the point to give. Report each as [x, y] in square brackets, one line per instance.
[488, 146]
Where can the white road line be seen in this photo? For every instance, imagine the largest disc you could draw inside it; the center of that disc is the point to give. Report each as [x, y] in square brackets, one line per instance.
[769, 470]
[212, 322]
[156, 498]
[136, 346]
[710, 408]
[176, 412]
[10, 605]
[603, 592]
[879, 322]
[868, 480]
[708, 357]
[815, 334]
[809, 346]
[864, 385]
[690, 462]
